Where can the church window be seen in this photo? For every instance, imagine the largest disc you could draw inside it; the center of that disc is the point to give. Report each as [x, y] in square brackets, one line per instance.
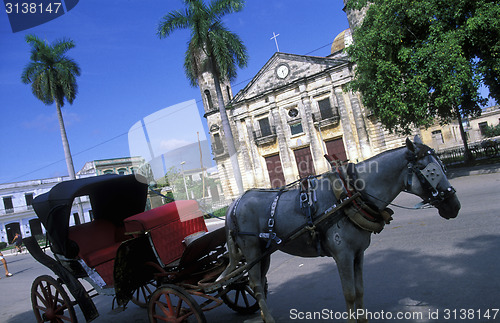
[217, 142]
[228, 93]
[109, 171]
[265, 127]
[209, 99]
[122, 171]
[325, 109]
[296, 128]
[292, 113]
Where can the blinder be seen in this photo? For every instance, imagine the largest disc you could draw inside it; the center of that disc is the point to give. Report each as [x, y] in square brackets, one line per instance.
[429, 177]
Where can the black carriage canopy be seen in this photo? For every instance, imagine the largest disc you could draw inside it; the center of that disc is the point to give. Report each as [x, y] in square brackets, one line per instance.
[112, 197]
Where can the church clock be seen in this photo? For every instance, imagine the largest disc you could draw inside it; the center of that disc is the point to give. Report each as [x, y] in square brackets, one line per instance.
[282, 71]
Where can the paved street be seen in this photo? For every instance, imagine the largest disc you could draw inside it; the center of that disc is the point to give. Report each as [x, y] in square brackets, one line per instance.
[421, 265]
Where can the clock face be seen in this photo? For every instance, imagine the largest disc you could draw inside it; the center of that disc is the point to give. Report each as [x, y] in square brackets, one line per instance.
[282, 71]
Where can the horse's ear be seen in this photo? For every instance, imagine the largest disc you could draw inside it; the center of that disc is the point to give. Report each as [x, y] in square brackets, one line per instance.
[417, 140]
[410, 145]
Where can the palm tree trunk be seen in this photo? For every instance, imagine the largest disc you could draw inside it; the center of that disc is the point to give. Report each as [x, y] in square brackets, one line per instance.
[69, 159]
[67, 152]
[228, 134]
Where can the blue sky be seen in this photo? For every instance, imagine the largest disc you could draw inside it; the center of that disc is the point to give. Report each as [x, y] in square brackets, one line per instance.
[128, 73]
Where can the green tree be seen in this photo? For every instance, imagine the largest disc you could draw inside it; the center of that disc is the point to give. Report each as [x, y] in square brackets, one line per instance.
[212, 48]
[52, 76]
[421, 60]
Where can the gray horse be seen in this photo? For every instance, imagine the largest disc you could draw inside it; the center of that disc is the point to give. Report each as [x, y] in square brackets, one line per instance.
[379, 180]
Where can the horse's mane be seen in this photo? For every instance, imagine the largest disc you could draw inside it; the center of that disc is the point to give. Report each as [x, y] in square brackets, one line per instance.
[381, 155]
[421, 148]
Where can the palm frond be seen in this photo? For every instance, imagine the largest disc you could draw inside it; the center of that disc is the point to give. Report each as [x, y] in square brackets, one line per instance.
[61, 46]
[52, 75]
[220, 8]
[212, 47]
[172, 21]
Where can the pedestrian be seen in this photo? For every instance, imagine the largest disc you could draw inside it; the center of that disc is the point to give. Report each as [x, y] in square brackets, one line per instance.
[19, 241]
[7, 274]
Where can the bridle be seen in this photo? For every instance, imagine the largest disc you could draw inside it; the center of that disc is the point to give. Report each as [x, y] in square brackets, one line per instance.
[428, 176]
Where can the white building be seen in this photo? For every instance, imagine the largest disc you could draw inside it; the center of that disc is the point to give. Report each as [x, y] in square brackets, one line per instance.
[16, 210]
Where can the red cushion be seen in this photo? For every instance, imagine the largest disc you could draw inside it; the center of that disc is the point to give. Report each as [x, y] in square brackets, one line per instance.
[168, 238]
[105, 270]
[171, 212]
[169, 224]
[96, 240]
[99, 256]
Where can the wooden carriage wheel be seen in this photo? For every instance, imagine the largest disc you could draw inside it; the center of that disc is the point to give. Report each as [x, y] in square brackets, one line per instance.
[50, 301]
[141, 295]
[241, 298]
[171, 303]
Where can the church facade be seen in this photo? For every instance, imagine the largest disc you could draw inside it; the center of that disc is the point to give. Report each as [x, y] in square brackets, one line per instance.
[295, 110]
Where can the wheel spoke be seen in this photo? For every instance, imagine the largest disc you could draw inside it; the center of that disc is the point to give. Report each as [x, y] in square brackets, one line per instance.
[64, 318]
[250, 291]
[171, 303]
[163, 308]
[245, 299]
[41, 298]
[50, 301]
[236, 297]
[43, 309]
[179, 307]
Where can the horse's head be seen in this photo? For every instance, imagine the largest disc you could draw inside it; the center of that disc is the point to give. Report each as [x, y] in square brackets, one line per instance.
[427, 179]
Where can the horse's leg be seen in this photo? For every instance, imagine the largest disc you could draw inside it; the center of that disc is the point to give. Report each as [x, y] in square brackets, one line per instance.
[265, 263]
[234, 257]
[358, 284]
[250, 247]
[345, 266]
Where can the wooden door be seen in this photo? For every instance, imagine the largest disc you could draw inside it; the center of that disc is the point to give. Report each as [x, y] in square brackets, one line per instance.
[336, 147]
[275, 171]
[304, 161]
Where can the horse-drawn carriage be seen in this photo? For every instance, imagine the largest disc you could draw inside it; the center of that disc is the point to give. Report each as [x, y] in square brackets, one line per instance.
[128, 253]
[158, 258]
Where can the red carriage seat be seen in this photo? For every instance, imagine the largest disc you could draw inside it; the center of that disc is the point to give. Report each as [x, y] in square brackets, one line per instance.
[98, 242]
[168, 225]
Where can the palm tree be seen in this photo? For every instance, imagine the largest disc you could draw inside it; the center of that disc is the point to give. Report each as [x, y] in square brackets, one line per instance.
[212, 48]
[52, 76]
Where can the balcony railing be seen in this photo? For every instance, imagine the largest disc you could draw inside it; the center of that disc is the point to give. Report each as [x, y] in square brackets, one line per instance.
[265, 136]
[322, 121]
[218, 150]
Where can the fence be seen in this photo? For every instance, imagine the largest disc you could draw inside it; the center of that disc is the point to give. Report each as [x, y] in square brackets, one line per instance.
[479, 150]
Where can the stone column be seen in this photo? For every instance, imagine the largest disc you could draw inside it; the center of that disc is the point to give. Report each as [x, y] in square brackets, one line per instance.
[359, 121]
[316, 146]
[255, 157]
[283, 149]
[349, 139]
[245, 156]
